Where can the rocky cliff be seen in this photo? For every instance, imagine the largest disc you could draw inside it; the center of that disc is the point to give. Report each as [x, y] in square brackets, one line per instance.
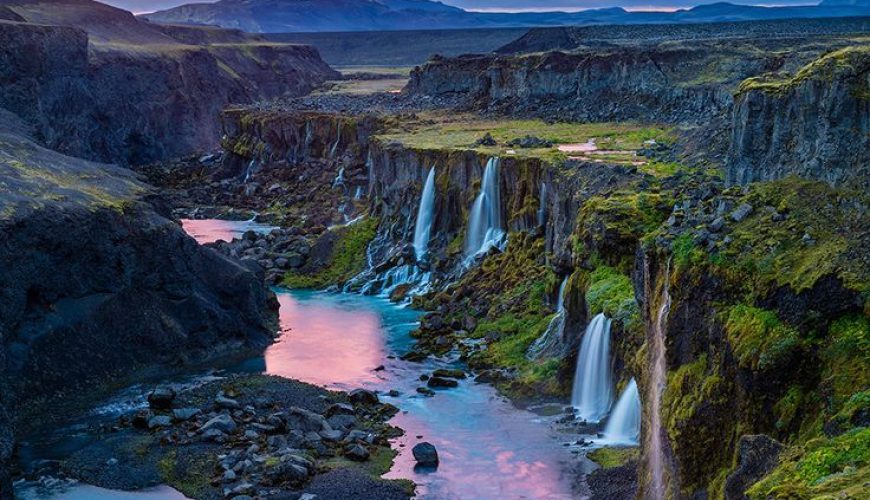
[673, 82]
[134, 92]
[89, 261]
[814, 124]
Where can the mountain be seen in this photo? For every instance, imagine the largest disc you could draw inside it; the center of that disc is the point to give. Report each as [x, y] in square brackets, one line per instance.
[289, 16]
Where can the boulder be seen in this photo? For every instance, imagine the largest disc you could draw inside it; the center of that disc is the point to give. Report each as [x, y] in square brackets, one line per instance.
[441, 382]
[425, 454]
[161, 398]
[356, 452]
[363, 397]
[223, 423]
[757, 455]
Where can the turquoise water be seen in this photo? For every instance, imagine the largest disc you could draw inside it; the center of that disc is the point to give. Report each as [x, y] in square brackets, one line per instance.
[488, 448]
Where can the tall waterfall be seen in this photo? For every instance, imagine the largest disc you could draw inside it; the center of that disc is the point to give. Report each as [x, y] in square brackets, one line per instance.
[555, 329]
[425, 216]
[484, 224]
[249, 171]
[542, 208]
[623, 427]
[334, 148]
[593, 388]
[658, 379]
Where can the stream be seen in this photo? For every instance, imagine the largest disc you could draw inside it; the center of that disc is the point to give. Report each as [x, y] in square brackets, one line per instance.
[489, 449]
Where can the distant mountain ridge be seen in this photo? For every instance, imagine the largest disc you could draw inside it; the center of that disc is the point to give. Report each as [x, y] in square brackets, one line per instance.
[287, 16]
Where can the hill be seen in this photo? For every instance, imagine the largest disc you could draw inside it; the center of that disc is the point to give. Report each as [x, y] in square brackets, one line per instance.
[278, 16]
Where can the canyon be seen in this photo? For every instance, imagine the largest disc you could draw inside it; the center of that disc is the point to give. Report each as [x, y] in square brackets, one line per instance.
[654, 245]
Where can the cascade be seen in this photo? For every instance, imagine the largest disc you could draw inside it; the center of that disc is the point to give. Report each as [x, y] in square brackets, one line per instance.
[335, 145]
[358, 194]
[542, 209]
[425, 216]
[623, 426]
[339, 179]
[592, 394]
[658, 378]
[249, 171]
[555, 328]
[484, 224]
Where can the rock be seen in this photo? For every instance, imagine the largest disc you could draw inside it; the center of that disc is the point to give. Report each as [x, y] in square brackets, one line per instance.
[356, 452]
[486, 140]
[224, 402]
[446, 373]
[332, 435]
[426, 391]
[161, 398]
[363, 397]
[229, 476]
[158, 421]
[223, 423]
[757, 456]
[339, 409]
[342, 421]
[286, 471]
[306, 421]
[441, 382]
[425, 454]
[530, 141]
[185, 414]
[716, 225]
[741, 212]
[141, 418]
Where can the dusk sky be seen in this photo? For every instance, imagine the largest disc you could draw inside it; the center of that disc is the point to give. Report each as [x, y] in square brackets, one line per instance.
[505, 5]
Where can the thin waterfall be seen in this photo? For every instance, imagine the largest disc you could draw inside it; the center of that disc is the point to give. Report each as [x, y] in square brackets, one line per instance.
[339, 179]
[358, 194]
[542, 208]
[623, 427]
[485, 228]
[425, 216]
[592, 394]
[249, 171]
[334, 147]
[555, 329]
[658, 380]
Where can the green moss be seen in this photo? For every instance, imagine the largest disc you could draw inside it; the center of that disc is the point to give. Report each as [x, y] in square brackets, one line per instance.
[612, 293]
[758, 338]
[847, 358]
[347, 260]
[847, 61]
[609, 458]
[824, 468]
[192, 479]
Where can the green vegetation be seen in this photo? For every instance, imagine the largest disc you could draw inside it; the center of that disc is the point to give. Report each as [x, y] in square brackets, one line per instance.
[612, 293]
[847, 358]
[759, 339]
[823, 468]
[460, 132]
[847, 61]
[348, 257]
[191, 478]
[609, 458]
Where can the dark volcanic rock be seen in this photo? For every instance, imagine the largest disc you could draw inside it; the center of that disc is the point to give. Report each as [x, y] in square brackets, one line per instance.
[425, 454]
[757, 456]
[161, 398]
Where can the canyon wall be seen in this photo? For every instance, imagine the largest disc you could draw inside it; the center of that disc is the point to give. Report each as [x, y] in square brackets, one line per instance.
[815, 124]
[97, 284]
[139, 103]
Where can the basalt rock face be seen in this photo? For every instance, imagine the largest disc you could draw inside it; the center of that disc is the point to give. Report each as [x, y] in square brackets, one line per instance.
[815, 125]
[97, 284]
[113, 102]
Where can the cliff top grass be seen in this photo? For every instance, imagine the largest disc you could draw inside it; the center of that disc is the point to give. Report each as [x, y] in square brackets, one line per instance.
[32, 178]
[849, 61]
[435, 130]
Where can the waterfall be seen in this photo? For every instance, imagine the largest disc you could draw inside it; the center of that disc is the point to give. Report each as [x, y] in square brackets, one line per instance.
[425, 216]
[484, 224]
[334, 147]
[555, 329]
[542, 208]
[593, 389]
[339, 179]
[358, 194]
[623, 427]
[249, 171]
[658, 379]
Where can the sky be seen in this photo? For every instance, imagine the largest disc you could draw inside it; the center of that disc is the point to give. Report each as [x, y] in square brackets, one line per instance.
[504, 5]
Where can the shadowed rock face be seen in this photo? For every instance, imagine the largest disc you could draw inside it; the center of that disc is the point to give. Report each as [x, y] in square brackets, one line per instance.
[95, 283]
[128, 92]
[814, 125]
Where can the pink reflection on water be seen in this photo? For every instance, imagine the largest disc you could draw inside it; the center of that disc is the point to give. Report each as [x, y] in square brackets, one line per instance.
[210, 230]
[325, 345]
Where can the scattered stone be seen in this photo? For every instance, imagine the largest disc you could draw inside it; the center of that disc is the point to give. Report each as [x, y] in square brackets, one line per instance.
[141, 418]
[339, 409]
[363, 397]
[298, 418]
[185, 414]
[447, 373]
[222, 423]
[161, 398]
[425, 454]
[486, 140]
[224, 402]
[741, 212]
[716, 225]
[442, 382]
[530, 141]
[159, 421]
[426, 391]
[356, 452]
